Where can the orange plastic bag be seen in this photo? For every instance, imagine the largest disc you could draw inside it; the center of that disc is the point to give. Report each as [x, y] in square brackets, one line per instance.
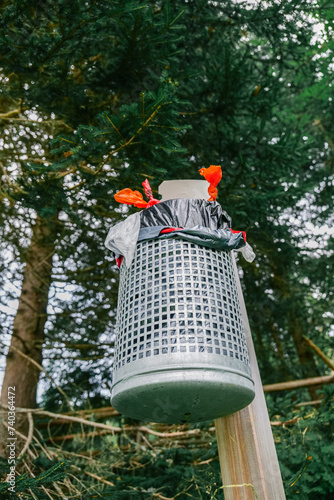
[213, 175]
[135, 197]
[131, 198]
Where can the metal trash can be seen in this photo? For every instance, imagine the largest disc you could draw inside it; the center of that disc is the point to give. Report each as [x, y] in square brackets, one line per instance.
[180, 351]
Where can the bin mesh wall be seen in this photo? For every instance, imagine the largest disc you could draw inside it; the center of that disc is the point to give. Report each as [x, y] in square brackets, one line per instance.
[178, 297]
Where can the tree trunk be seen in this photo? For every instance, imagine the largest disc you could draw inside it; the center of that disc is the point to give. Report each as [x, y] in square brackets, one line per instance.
[28, 329]
[296, 323]
[306, 357]
[284, 367]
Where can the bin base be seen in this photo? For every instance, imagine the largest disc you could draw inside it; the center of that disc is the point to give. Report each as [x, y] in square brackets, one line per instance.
[181, 396]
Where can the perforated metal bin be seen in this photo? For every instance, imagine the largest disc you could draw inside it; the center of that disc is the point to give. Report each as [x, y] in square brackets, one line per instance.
[180, 352]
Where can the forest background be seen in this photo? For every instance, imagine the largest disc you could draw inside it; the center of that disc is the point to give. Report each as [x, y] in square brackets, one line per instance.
[97, 96]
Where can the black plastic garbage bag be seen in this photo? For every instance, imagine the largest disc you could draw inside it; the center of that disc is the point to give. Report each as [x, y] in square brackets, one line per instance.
[194, 220]
[186, 213]
[219, 239]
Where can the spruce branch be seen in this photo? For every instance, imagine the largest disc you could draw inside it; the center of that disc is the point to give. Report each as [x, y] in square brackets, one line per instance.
[94, 476]
[37, 123]
[114, 126]
[129, 141]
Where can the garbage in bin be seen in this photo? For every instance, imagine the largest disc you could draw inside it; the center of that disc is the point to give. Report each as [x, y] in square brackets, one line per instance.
[181, 212]
[122, 238]
[180, 351]
[198, 221]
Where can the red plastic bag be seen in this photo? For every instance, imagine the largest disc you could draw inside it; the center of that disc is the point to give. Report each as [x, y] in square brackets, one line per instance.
[243, 233]
[135, 197]
[149, 195]
[131, 198]
[213, 175]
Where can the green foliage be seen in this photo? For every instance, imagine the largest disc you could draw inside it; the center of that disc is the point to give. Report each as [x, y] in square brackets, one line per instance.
[141, 126]
[97, 96]
[25, 486]
[189, 468]
[305, 448]
[170, 471]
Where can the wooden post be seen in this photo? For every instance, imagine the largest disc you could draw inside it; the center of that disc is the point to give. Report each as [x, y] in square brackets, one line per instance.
[247, 453]
[246, 446]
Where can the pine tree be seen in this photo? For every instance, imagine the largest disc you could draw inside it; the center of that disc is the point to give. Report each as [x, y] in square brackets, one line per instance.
[96, 97]
[26, 486]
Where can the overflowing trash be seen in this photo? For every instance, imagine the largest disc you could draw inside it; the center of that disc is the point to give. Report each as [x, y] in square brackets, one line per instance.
[122, 239]
[197, 221]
